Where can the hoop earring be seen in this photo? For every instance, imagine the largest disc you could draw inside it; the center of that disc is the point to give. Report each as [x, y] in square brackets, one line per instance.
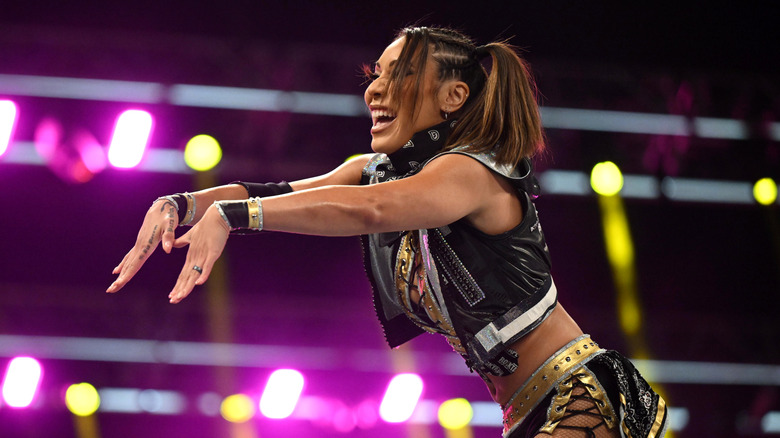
[446, 115]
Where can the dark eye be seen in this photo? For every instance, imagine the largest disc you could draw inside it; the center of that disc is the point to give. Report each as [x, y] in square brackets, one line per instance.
[369, 74]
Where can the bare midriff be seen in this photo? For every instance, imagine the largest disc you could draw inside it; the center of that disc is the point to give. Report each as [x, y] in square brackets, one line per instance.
[533, 350]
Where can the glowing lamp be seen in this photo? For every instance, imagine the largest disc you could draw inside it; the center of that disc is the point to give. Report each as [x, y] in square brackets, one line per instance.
[21, 381]
[281, 393]
[455, 413]
[237, 408]
[131, 134]
[401, 398]
[352, 157]
[82, 399]
[7, 122]
[765, 191]
[202, 152]
[606, 178]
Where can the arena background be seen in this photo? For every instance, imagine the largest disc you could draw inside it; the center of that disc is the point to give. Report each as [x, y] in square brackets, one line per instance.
[696, 305]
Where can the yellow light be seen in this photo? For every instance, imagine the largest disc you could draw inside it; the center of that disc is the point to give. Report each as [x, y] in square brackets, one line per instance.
[82, 399]
[606, 178]
[237, 408]
[765, 191]
[202, 152]
[352, 157]
[455, 413]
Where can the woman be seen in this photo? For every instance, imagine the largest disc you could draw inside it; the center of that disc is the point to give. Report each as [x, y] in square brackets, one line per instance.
[452, 240]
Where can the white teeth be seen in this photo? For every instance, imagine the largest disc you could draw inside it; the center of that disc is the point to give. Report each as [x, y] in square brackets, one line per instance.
[381, 113]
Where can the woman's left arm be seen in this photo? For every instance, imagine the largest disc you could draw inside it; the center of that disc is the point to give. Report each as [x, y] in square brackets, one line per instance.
[451, 187]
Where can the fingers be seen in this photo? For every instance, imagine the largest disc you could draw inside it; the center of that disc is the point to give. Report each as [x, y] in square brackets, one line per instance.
[122, 263]
[145, 244]
[184, 240]
[119, 282]
[207, 240]
[171, 221]
[192, 274]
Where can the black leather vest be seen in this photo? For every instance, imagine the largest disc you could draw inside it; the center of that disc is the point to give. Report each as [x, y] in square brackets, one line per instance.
[492, 289]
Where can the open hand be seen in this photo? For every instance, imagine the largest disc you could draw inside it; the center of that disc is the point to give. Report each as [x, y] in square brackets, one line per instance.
[160, 221]
[206, 240]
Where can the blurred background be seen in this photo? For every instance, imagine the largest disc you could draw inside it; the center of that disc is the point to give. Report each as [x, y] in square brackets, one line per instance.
[668, 250]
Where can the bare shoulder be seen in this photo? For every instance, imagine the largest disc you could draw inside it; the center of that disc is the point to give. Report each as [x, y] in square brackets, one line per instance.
[499, 208]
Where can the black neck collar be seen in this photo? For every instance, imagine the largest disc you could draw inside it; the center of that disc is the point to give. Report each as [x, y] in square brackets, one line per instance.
[424, 145]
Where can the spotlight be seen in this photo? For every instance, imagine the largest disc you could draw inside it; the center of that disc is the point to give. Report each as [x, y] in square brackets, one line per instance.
[606, 178]
[82, 399]
[22, 378]
[202, 152]
[7, 122]
[131, 134]
[765, 191]
[401, 398]
[281, 393]
[237, 408]
[455, 413]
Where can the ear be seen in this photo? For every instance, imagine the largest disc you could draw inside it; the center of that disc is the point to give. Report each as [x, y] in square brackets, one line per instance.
[452, 95]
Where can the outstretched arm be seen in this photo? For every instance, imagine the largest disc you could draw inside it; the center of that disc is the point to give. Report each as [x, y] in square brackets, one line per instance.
[449, 188]
[162, 219]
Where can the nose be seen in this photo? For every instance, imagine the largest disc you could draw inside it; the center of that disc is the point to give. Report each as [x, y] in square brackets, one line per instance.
[375, 89]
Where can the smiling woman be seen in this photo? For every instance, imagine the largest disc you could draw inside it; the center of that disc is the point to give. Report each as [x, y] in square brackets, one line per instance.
[452, 238]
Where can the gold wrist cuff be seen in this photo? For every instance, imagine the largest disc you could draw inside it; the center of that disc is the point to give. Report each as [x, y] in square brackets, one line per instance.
[190, 209]
[255, 214]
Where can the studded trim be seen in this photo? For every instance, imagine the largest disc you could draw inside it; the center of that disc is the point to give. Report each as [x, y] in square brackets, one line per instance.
[455, 270]
[550, 374]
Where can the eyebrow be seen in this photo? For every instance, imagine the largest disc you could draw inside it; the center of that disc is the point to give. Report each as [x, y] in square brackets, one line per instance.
[379, 66]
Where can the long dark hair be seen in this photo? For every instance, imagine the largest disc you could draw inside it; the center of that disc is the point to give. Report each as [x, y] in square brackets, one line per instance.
[501, 112]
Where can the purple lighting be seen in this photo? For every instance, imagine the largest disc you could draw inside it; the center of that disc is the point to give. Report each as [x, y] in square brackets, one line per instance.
[401, 398]
[7, 122]
[281, 393]
[131, 134]
[21, 381]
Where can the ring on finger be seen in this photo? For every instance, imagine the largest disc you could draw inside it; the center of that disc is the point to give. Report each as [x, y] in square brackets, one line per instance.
[198, 268]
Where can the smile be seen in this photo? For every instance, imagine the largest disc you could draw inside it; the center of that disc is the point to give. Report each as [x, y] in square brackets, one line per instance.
[381, 118]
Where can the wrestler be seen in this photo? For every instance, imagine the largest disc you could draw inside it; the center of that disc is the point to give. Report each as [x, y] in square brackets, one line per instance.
[452, 240]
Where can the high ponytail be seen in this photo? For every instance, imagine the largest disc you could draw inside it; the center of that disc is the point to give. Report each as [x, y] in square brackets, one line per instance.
[500, 114]
[504, 115]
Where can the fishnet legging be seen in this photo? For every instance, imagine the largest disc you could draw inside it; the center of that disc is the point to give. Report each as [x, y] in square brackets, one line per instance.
[582, 418]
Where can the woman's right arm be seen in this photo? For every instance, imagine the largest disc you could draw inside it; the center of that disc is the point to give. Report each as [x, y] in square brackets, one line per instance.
[162, 218]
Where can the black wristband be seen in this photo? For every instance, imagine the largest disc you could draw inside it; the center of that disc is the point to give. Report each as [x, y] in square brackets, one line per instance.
[237, 214]
[181, 202]
[264, 189]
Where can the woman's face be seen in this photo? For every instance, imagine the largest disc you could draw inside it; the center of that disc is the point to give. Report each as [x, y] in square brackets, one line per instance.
[394, 125]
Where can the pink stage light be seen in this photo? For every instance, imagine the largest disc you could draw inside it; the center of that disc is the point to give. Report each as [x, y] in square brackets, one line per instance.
[401, 398]
[91, 152]
[7, 123]
[131, 134]
[21, 381]
[367, 414]
[281, 393]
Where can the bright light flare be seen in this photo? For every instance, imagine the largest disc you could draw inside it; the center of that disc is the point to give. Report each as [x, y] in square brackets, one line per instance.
[21, 381]
[281, 393]
[82, 399]
[606, 178]
[237, 408]
[202, 153]
[765, 191]
[401, 398]
[455, 413]
[7, 122]
[131, 134]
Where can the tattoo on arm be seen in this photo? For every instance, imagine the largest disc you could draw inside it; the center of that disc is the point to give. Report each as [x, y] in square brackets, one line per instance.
[148, 246]
[170, 218]
[162, 208]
